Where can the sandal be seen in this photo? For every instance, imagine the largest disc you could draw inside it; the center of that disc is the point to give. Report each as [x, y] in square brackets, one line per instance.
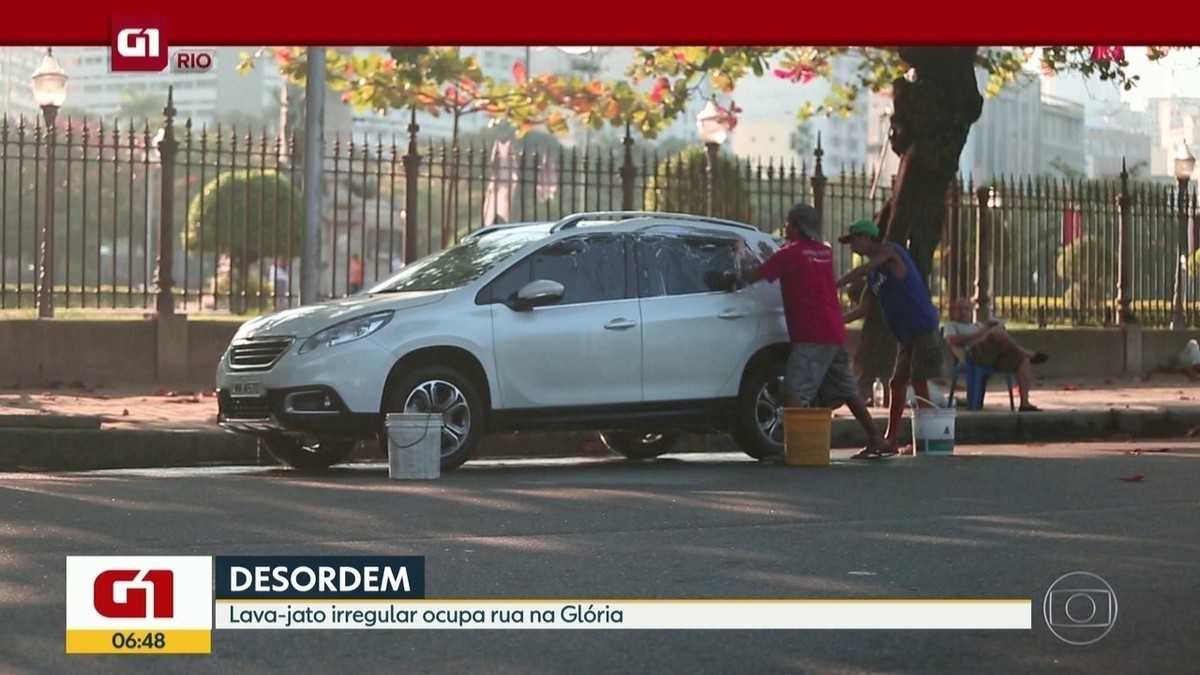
[872, 453]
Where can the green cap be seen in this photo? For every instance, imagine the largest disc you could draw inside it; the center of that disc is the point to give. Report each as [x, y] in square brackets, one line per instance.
[860, 227]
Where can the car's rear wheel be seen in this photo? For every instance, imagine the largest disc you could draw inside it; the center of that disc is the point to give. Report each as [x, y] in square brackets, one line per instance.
[758, 425]
[635, 445]
[440, 389]
[307, 453]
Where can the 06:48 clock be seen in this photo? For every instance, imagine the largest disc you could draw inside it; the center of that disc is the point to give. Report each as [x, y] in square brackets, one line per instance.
[139, 640]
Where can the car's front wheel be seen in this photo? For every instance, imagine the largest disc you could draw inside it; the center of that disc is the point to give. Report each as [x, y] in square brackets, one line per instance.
[306, 453]
[758, 426]
[439, 389]
[636, 445]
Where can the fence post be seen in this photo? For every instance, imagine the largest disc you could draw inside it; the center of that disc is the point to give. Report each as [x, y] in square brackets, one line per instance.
[168, 149]
[710, 176]
[1181, 254]
[1124, 290]
[982, 272]
[412, 165]
[628, 172]
[45, 300]
[818, 179]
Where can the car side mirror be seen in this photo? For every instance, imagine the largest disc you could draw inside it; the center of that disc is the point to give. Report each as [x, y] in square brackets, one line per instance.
[536, 294]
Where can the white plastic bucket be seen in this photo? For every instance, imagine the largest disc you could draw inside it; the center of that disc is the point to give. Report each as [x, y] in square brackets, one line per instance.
[414, 445]
[933, 430]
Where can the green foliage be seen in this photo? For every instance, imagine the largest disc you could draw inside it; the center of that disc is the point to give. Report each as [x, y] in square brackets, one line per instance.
[248, 214]
[1193, 264]
[441, 80]
[680, 185]
[244, 292]
[1088, 265]
[1065, 310]
[1088, 259]
[140, 107]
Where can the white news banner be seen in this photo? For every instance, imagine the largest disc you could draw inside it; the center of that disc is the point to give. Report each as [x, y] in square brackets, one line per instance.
[1005, 614]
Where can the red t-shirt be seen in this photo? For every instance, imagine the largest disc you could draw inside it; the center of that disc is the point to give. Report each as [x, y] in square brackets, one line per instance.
[804, 270]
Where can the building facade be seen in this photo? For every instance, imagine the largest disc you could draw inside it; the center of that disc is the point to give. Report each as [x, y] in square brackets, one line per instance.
[769, 126]
[1171, 121]
[16, 67]
[1061, 144]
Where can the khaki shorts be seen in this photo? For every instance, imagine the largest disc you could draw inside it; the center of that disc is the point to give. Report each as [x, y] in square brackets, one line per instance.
[990, 355]
[820, 375]
[920, 359]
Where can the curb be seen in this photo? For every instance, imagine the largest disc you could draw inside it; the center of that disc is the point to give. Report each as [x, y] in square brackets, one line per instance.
[87, 449]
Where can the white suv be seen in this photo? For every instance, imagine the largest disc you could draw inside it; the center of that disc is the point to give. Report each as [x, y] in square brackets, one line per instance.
[631, 323]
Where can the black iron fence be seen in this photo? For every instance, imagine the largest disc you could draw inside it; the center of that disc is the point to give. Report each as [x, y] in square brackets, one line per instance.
[223, 208]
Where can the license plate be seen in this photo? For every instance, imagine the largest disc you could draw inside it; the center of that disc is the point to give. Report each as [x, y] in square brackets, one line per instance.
[245, 388]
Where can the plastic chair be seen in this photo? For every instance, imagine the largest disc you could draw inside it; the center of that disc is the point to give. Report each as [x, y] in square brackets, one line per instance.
[976, 380]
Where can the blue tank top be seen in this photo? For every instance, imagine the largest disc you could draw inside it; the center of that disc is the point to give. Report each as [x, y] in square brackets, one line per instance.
[908, 310]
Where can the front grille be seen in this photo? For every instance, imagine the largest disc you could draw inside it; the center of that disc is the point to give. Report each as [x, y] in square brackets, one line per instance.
[258, 354]
[244, 408]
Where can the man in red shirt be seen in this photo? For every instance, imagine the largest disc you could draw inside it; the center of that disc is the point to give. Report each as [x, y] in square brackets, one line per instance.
[818, 369]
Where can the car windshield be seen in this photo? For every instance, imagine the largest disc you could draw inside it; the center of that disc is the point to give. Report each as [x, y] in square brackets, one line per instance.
[460, 265]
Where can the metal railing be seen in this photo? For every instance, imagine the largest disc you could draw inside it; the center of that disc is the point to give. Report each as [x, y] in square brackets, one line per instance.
[227, 202]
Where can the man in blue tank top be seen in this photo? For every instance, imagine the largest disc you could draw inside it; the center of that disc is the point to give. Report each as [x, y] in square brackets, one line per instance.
[908, 312]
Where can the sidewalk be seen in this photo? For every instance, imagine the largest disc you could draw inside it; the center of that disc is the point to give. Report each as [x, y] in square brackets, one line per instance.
[82, 426]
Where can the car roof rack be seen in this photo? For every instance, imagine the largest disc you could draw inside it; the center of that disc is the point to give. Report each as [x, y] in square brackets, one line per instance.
[575, 219]
[500, 227]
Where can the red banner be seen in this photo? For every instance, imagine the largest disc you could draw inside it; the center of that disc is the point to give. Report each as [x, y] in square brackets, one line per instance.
[1072, 227]
[480, 22]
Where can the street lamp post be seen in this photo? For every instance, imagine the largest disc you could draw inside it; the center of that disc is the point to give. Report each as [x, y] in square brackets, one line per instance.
[1184, 164]
[713, 126]
[49, 92]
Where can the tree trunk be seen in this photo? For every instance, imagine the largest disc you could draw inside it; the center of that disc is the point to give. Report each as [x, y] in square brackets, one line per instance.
[933, 116]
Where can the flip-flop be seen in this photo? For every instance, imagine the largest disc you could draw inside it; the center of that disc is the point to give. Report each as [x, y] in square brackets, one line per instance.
[868, 453]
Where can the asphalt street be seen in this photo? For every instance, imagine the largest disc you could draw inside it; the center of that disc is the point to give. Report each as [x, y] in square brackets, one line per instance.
[992, 522]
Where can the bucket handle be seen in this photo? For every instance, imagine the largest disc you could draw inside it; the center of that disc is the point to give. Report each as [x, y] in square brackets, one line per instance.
[931, 403]
[428, 419]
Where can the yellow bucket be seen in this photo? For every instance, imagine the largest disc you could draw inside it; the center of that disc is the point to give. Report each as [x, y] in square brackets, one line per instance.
[806, 436]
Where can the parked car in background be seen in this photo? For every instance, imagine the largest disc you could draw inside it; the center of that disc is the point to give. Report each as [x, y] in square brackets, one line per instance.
[634, 324]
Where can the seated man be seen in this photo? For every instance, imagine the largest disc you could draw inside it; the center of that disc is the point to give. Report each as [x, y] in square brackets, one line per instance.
[991, 346]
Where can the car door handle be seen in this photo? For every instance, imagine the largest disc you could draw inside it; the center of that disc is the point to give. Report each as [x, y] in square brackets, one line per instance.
[620, 324]
[732, 314]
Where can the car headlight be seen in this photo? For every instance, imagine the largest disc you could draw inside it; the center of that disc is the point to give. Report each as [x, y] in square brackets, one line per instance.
[347, 331]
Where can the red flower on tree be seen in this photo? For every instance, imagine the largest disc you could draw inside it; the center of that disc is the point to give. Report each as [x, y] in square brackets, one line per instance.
[660, 88]
[800, 73]
[1108, 53]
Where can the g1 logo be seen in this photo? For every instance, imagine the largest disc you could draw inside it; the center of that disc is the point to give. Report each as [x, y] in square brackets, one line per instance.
[138, 44]
[122, 594]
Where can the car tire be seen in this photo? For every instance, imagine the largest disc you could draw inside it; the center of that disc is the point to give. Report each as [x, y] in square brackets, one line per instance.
[307, 454]
[758, 421]
[445, 390]
[634, 445]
